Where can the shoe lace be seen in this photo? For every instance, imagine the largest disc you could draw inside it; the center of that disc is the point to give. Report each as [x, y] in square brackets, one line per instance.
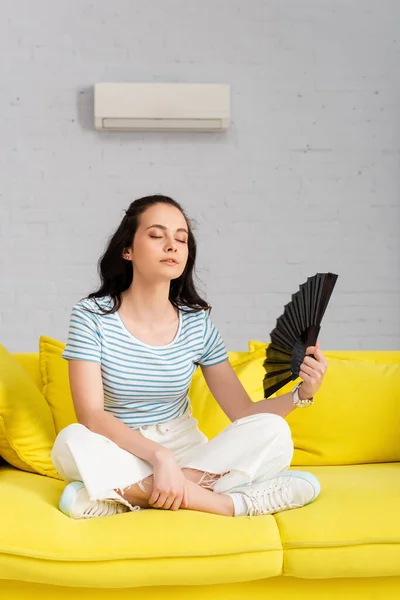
[101, 508]
[271, 500]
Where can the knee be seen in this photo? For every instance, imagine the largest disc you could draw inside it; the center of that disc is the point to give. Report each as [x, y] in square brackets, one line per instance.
[282, 438]
[277, 422]
[270, 423]
[271, 429]
[70, 432]
[278, 425]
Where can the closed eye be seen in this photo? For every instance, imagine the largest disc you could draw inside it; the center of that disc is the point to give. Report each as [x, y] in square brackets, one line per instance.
[158, 237]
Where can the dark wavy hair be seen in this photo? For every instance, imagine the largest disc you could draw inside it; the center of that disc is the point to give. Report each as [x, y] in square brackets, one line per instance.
[116, 273]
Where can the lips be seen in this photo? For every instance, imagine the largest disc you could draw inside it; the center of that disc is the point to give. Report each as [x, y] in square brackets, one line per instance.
[173, 261]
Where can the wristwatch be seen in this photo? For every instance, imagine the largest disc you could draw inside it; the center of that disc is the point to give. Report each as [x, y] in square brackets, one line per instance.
[296, 400]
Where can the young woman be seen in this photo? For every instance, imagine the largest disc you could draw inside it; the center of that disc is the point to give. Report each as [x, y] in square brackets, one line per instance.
[132, 348]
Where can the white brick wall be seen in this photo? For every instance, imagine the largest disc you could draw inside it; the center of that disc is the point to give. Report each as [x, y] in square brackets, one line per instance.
[306, 180]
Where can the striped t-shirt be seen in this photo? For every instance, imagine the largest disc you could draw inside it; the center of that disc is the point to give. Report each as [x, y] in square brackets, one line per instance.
[143, 384]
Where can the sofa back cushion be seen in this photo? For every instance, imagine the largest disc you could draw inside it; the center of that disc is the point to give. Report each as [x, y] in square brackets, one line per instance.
[355, 417]
[27, 431]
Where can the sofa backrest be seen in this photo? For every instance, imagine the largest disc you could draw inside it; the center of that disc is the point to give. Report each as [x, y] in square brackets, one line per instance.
[355, 418]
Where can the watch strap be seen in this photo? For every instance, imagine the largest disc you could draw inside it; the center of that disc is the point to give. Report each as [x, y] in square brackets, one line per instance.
[297, 401]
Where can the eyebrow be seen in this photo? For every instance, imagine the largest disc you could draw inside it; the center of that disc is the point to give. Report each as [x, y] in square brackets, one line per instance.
[163, 227]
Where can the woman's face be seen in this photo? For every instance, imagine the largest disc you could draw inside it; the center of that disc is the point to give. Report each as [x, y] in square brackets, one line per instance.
[162, 233]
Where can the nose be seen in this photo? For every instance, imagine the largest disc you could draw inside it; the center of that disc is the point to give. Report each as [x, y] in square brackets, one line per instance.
[172, 245]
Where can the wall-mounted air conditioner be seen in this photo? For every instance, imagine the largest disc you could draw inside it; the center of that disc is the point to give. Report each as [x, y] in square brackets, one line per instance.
[161, 106]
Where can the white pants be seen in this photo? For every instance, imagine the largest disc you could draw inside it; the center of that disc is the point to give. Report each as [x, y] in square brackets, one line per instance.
[251, 449]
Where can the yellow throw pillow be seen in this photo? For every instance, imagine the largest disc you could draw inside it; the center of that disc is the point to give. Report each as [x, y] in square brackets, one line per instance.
[249, 369]
[56, 389]
[355, 417]
[256, 345]
[27, 431]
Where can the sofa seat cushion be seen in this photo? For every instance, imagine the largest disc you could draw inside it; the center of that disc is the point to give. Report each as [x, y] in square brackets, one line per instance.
[40, 544]
[351, 530]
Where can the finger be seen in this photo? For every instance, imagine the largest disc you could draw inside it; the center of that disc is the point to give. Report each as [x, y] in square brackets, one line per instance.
[155, 494]
[169, 502]
[177, 503]
[312, 378]
[160, 501]
[306, 378]
[312, 375]
[306, 369]
[321, 357]
[311, 362]
[185, 499]
[317, 360]
[314, 371]
[317, 365]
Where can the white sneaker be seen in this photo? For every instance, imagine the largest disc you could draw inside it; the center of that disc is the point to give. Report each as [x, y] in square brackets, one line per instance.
[75, 503]
[287, 490]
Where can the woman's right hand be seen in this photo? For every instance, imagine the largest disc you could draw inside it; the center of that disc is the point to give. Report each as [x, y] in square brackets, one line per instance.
[169, 483]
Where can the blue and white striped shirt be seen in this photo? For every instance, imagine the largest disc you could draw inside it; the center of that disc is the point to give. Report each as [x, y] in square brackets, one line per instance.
[143, 384]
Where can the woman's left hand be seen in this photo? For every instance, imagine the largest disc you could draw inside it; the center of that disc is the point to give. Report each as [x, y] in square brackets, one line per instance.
[312, 372]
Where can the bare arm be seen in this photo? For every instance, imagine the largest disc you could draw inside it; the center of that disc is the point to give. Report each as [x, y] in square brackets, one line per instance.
[88, 397]
[232, 397]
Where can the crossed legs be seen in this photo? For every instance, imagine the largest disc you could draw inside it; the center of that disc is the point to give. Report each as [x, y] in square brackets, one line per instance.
[200, 494]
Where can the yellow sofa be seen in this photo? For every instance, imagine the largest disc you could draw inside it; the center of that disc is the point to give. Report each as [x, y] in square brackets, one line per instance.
[346, 543]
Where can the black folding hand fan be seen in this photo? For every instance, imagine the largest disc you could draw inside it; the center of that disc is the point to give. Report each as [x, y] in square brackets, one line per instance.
[296, 330]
